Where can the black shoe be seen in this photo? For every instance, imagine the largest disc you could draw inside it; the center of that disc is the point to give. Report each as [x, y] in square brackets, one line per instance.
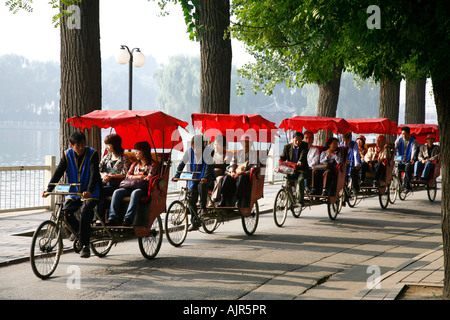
[127, 222]
[375, 184]
[313, 191]
[85, 252]
[111, 223]
[238, 203]
[325, 192]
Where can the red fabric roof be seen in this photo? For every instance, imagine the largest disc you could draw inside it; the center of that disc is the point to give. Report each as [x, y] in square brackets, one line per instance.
[420, 131]
[135, 126]
[314, 124]
[234, 126]
[379, 125]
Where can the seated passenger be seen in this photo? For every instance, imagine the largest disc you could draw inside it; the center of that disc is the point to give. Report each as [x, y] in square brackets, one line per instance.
[313, 156]
[361, 141]
[406, 147]
[375, 157]
[297, 152]
[196, 157]
[354, 160]
[141, 170]
[224, 185]
[80, 163]
[427, 154]
[243, 162]
[330, 157]
[113, 169]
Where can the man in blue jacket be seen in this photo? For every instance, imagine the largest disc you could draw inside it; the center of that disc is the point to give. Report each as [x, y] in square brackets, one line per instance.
[406, 147]
[81, 164]
[197, 157]
[353, 159]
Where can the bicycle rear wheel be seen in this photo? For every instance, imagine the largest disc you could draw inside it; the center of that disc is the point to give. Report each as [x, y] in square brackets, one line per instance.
[46, 249]
[250, 223]
[150, 244]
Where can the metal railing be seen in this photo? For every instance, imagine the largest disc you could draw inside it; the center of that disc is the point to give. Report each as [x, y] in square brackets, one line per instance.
[21, 186]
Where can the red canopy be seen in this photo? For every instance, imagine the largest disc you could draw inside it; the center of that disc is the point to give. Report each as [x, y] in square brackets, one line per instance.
[233, 127]
[314, 124]
[156, 127]
[379, 125]
[420, 131]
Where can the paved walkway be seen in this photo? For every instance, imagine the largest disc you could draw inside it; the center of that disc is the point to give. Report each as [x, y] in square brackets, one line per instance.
[16, 230]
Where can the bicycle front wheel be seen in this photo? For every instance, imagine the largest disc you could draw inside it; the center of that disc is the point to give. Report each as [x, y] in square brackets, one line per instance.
[280, 207]
[176, 223]
[46, 249]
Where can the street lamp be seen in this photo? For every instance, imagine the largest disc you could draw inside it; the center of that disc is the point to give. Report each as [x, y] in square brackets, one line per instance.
[134, 57]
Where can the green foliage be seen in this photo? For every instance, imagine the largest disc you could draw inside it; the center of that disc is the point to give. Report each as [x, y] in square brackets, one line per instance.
[293, 42]
[27, 5]
[17, 5]
[190, 11]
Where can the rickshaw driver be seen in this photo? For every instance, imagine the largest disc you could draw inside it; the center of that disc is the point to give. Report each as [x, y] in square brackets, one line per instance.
[406, 146]
[297, 152]
[354, 159]
[196, 157]
[81, 163]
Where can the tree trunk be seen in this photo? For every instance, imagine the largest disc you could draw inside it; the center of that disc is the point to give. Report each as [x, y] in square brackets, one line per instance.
[415, 100]
[216, 56]
[81, 88]
[389, 102]
[328, 101]
[442, 100]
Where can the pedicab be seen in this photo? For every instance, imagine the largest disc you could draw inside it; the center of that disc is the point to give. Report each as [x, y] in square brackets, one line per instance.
[420, 132]
[232, 127]
[161, 130]
[285, 200]
[370, 187]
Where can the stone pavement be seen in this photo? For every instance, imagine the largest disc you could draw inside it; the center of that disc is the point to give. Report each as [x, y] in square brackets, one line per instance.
[426, 269]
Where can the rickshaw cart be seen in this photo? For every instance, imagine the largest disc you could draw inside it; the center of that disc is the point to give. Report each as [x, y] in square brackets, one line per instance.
[420, 132]
[285, 200]
[161, 130]
[384, 191]
[234, 126]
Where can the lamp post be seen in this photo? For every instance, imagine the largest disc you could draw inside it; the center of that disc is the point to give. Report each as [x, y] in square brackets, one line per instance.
[133, 57]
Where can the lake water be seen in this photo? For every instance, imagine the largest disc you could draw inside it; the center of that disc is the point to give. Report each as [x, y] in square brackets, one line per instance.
[22, 146]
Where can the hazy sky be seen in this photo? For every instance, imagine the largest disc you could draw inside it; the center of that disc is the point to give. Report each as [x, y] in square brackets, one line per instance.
[134, 23]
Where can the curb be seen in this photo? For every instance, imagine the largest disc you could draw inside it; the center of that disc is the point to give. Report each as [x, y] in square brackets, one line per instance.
[396, 289]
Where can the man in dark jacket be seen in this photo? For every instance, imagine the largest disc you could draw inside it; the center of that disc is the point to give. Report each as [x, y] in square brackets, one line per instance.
[297, 152]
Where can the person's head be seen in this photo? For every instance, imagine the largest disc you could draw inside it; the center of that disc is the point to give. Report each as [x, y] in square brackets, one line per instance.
[220, 144]
[381, 141]
[332, 144]
[309, 137]
[346, 138]
[361, 140]
[430, 140]
[298, 137]
[197, 143]
[143, 151]
[77, 141]
[113, 143]
[246, 142]
[405, 133]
